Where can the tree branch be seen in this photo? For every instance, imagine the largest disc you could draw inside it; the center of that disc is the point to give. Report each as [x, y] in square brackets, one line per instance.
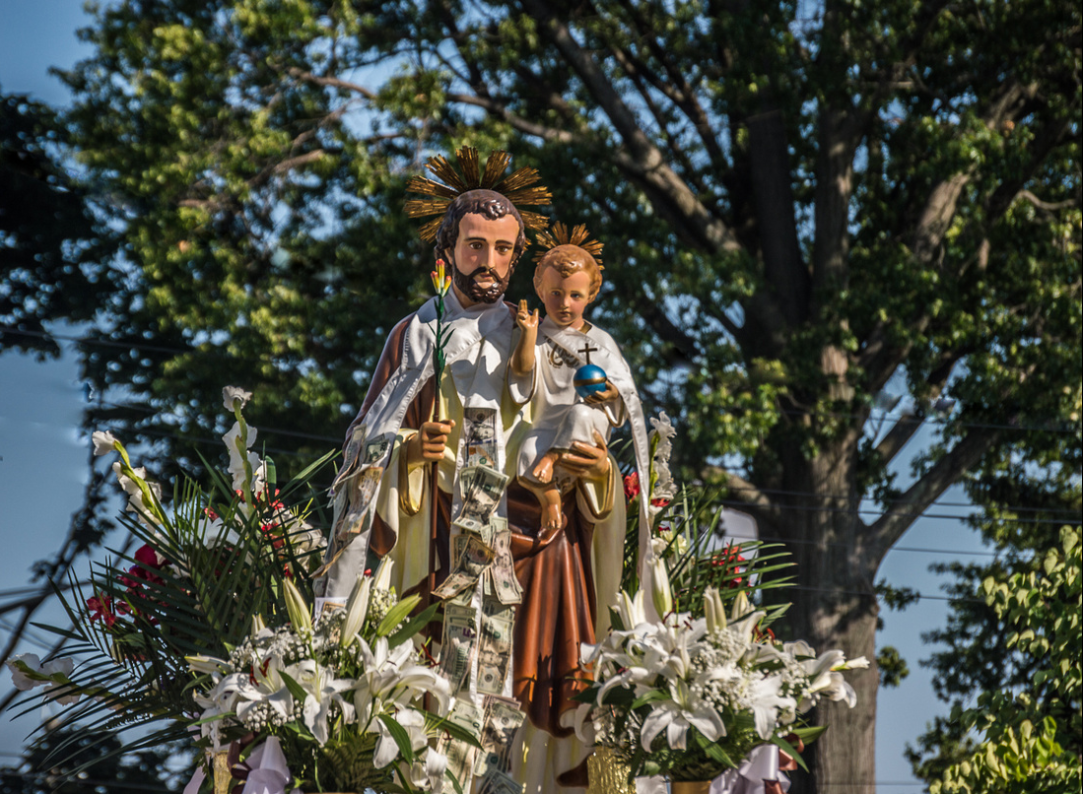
[642, 160]
[331, 82]
[887, 530]
[527, 127]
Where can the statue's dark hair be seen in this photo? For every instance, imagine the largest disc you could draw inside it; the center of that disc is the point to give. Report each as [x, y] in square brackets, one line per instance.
[487, 203]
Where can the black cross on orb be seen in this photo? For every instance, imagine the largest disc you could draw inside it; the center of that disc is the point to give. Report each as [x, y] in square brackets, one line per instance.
[587, 350]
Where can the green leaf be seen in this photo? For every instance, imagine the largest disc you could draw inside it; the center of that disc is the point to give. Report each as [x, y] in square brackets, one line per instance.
[401, 737]
[412, 626]
[298, 691]
[396, 615]
[782, 744]
[810, 734]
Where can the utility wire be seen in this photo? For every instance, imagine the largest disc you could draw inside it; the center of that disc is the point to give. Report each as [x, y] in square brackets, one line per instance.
[788, 411]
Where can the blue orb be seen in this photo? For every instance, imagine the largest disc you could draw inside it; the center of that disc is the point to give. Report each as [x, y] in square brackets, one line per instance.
[589, 380]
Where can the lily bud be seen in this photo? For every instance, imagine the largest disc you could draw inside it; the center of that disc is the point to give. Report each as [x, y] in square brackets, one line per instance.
[741, 606]
[661, 593]
[296, 607]
[257, 624]
[382, 580]
[356, 609]
[713, 609]
[630, 609]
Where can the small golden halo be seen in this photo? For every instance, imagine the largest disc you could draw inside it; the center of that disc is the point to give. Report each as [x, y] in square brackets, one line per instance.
[579, 237]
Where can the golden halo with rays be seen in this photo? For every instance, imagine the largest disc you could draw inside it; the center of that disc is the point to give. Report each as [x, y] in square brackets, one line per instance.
[518, 187]
[579, 237]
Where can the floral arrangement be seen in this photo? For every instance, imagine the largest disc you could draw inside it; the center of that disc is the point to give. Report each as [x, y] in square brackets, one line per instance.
[207, 628]
[689, 697]
[335, 696]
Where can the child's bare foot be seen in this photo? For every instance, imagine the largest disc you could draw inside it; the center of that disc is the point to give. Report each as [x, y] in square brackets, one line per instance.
[543, 472]
[552, 516]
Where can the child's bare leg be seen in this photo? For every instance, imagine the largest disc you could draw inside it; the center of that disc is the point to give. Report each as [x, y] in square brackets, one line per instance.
[552, 516]
[543, 472]
[548, 496]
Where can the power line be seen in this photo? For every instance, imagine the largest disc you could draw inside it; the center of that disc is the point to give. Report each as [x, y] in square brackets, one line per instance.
[1049, 426]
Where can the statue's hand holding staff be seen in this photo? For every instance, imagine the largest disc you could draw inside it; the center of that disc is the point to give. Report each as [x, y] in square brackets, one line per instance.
[428, 443]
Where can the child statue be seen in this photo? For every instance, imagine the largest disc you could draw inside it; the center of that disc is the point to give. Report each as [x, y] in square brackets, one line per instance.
[581, 373]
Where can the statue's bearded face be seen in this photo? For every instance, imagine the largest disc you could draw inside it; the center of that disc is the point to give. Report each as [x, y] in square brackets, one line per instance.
[483, 257]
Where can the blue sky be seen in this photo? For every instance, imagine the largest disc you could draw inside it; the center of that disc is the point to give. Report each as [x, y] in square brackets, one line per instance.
[43, 457]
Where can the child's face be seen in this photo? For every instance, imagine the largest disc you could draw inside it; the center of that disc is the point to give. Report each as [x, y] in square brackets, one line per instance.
[565, 299]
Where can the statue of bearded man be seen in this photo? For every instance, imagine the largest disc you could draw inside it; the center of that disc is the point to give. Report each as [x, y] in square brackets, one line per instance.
[385, 499]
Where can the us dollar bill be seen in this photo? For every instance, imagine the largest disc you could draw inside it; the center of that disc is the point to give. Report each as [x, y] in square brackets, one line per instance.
[361, 494]
[496, 782]
[469, 525]
[479, 437]
[503, 717]
[473, 559]
[351, 457]
[485, 487]
[494, 651]
[458, 645]
[505, 582]
[460, 755]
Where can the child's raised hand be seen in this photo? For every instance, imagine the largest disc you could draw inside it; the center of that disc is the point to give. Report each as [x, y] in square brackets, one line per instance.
[524, 318]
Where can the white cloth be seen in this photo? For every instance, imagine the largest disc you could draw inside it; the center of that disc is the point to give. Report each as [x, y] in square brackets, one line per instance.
[759, 765]
[270, 773]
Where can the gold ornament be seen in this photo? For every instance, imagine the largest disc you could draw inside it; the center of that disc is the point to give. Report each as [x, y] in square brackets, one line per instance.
[578, 237]
[519, 188]
[608, 774]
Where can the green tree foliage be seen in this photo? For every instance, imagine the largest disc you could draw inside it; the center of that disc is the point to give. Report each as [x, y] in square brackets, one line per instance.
[51, 257]
[801, 204]
[144, 771]
[980, 653]
[1031, 734]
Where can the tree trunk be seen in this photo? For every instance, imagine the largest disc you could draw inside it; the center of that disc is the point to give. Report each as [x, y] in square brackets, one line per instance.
[834, 606]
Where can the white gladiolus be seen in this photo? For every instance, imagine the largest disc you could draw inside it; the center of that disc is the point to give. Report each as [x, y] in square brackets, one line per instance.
[28, 672]
[104, 442]
[234, 397]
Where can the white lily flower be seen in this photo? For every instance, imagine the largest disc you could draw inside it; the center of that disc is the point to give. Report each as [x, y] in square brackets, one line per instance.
[387, 749]
[766, 702]
[382, 579]
[676, 715]
[428, 773]
[232, 395]
[322, 691]
[584, 724]
[104, 442]
[860, 663]
[390, 678]
[206, 664]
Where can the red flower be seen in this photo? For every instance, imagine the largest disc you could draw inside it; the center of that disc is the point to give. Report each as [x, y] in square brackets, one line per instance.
[148, 557]
[631, 486]
[729, 560]
[101, 608]
[660, 502]
[210, 513]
